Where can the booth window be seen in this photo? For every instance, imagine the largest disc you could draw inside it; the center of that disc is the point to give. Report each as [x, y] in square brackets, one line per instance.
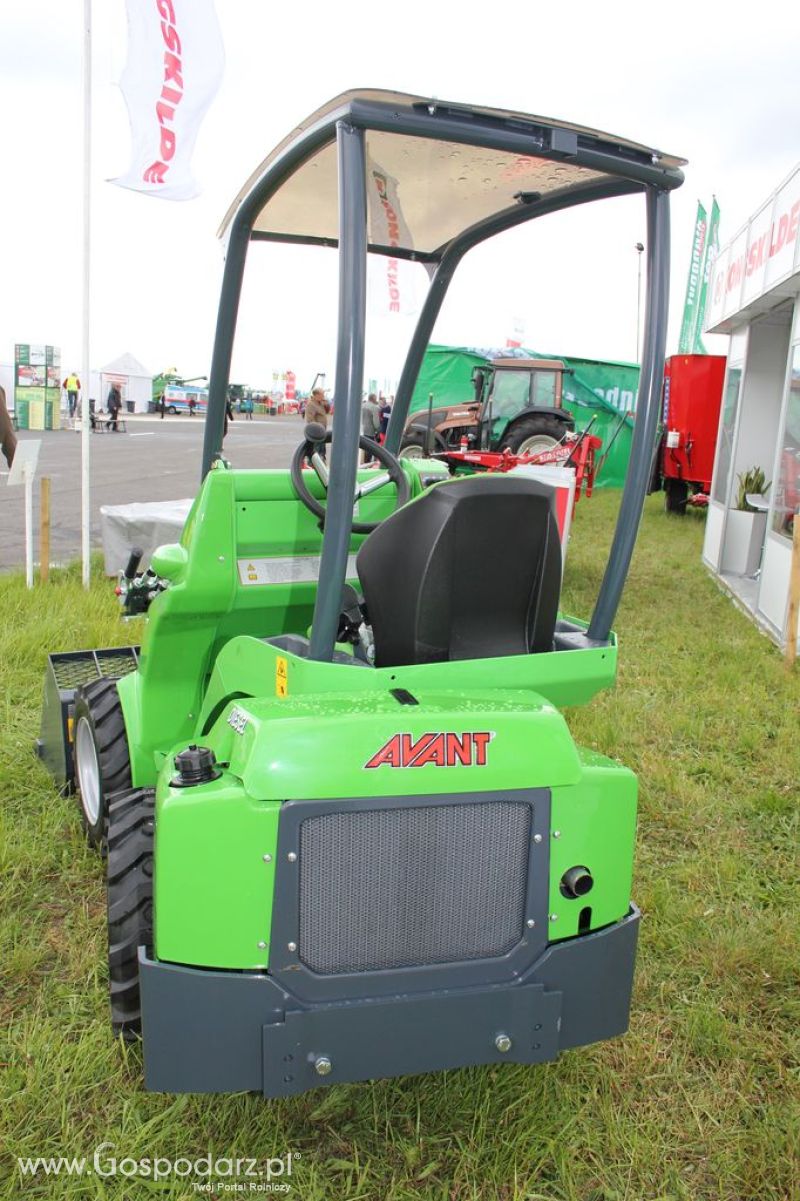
[787, 492]
[727, 430]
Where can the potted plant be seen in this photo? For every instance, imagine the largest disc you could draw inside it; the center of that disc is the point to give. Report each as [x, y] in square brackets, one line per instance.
[745, 526]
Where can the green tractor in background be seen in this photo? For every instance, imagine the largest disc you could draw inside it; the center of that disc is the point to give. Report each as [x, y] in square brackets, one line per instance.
[348, 832]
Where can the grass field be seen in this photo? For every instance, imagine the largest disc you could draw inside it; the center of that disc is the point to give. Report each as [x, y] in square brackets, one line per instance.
[700, 1101]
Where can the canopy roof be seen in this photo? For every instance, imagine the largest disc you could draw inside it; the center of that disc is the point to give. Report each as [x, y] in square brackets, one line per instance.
[424, 189]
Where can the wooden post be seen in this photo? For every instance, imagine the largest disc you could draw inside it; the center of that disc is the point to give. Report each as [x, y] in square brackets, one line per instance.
[790, 653]
[44, 529]
[28, 470]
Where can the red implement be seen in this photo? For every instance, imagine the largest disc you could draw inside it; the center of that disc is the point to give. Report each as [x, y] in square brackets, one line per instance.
[580, 452]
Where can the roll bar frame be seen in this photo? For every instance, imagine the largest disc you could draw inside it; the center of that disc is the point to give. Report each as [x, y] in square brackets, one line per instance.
[624, 172]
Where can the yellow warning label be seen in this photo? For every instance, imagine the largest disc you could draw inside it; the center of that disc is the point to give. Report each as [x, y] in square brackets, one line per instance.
[281, 677]
[70, 727]
[252, 574]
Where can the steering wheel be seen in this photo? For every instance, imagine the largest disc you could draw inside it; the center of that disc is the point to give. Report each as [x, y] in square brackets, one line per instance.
[317, 436]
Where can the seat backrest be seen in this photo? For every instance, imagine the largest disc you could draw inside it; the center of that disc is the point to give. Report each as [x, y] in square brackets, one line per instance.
[470, 570]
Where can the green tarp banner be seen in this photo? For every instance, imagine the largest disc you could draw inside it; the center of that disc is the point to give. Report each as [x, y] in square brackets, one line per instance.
[604, 390]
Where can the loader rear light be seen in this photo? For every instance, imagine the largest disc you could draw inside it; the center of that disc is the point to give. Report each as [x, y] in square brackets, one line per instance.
[576, 882]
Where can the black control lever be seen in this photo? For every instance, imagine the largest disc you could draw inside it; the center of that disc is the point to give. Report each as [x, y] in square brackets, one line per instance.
[133, 562]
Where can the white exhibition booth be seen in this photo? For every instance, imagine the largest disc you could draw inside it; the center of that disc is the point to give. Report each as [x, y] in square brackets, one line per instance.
[755, 298]
[134, 381]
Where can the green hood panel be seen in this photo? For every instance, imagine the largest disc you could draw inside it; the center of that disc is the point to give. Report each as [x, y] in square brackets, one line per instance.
[351, 744]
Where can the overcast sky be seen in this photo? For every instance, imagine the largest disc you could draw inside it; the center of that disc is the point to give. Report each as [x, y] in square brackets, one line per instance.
[717, 85]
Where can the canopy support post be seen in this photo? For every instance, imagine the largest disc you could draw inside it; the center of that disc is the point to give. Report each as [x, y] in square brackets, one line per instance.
[223, 341]
[348, 386]
[648, 408]
[419, 344]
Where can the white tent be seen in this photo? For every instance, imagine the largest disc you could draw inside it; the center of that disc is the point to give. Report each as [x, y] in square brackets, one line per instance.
[135, 383]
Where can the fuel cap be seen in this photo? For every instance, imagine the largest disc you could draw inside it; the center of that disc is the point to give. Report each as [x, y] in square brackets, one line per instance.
[195, 765]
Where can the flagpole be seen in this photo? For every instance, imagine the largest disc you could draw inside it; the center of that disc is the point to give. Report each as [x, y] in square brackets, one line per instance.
[86, 423]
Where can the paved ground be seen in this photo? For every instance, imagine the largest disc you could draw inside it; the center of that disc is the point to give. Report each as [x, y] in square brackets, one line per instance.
[154, 460]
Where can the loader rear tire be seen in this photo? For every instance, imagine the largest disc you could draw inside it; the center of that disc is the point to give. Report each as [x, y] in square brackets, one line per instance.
[101, 754]
[129, 876]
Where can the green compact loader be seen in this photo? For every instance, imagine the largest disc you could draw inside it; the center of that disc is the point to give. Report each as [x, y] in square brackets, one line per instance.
[348, 832]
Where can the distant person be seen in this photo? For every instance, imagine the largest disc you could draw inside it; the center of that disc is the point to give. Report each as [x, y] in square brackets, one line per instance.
[228, 416]
[8, 439]
[317, 408]
[247, 408]
[162, 406]
[370, 421]
[72, 386]
[192, 405]
[316, 412]
[385, 412]
[113, 404]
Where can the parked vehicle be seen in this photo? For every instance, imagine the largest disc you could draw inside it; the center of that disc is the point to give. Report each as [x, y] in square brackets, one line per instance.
[691, 407]
[185, 399]
[516, 407]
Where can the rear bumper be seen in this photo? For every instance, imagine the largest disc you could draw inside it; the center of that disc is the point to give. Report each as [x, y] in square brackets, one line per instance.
[212, 1031]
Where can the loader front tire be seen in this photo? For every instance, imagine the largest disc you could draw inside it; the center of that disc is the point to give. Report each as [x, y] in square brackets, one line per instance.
[101, 755]
[131, 820]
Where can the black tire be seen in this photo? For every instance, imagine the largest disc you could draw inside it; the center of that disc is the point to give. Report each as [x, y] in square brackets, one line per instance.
[99, 742]
[676, 494]
[415, 444]
[526, 428]
[130, 903]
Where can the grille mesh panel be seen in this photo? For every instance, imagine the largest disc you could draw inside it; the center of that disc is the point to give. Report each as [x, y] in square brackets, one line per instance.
[74, 668]
[393, 888]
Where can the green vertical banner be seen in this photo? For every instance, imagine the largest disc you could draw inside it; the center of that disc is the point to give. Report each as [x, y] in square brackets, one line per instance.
[711, 252]
[693, 282]
[37, 386]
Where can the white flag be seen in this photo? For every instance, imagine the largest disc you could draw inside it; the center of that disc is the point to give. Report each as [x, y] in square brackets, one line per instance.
[394, 286]
[174, 68]
[391, 280]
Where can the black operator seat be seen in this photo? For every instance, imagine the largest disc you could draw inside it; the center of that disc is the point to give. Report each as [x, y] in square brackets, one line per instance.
[470, 570]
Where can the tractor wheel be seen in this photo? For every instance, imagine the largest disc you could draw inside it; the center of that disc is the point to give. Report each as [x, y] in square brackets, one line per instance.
[100, 750]
[676, 494]
[130, 903]
[532, 434]
[415, 445]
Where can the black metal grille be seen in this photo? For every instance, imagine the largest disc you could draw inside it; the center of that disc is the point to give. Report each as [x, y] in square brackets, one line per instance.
[73, 668]
[393, 888]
